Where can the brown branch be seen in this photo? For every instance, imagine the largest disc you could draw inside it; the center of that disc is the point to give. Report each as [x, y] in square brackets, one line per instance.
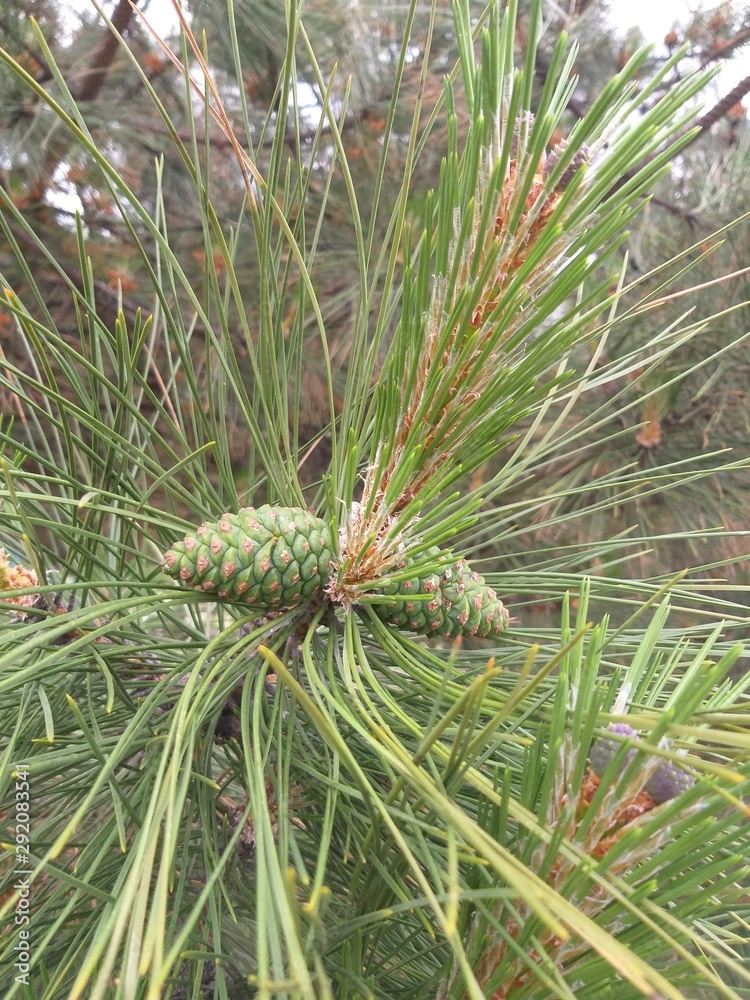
[722, 51]
[726, 48]
[682, 213]
[719, 110]
[219, 140]
[703, 125]
[58, 272]
[90, 82]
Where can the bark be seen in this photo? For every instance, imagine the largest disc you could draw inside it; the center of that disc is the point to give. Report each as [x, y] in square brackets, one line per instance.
[719, 110]
[90, 82]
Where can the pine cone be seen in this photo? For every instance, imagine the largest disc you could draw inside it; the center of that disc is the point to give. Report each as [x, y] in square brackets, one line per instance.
[668, 781]
[581, 158]
[603, 751]
[265, 557]
[456, 602]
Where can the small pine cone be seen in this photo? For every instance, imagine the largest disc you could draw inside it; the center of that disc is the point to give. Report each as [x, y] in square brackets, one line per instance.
[581, 158]
[265, 557]
[603, 751]
[668, 781]
[458, 602]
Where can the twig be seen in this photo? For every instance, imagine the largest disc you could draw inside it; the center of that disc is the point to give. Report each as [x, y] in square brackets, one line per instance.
[45, 73]
[222, 141]
[702, 125]
[683, 213]
[128, 307]
[719, 110]
[727, 48]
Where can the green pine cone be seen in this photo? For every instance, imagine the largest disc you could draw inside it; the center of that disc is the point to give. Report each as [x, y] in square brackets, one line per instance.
[457, 602]
[266, 557]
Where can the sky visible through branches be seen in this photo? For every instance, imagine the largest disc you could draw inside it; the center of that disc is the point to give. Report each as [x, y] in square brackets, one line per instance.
[653, 20]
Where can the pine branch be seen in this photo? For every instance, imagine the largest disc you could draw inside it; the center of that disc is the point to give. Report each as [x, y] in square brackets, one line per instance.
[87, 87]
[375, 809]
[703, 124]
[725, 49]
[45, 73]
[90, 82]
[719, 110]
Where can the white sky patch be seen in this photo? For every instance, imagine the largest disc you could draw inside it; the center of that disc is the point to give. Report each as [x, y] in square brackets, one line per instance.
[656, 18]
[64, 195]
[159, 13]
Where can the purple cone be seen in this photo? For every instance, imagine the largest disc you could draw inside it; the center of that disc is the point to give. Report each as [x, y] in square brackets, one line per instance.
[668, 781]
[603, 751]
[581, 158]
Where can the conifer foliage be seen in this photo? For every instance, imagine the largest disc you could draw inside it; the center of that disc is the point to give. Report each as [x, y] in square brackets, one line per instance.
[256, 766]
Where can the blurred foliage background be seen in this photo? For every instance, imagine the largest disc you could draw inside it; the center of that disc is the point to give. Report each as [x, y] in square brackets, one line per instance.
[657, 421]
